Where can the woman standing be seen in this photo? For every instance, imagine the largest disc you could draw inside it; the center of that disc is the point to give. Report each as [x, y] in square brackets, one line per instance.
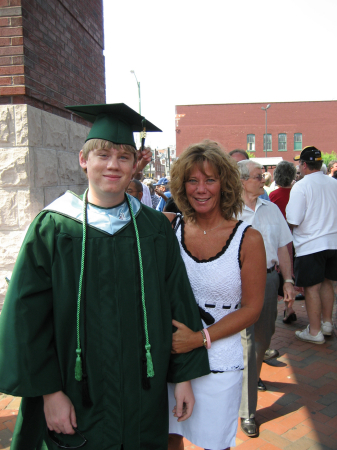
[284, 176]
[226, 264]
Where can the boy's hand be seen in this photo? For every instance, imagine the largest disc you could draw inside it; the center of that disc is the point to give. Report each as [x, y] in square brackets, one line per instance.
[60, 413]
[185, 401]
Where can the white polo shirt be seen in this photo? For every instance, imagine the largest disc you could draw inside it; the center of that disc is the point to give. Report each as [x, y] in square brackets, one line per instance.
[269, 221]
[313, 208]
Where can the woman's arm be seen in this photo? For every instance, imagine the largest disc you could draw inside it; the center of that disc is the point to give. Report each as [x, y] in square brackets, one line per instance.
[253, 279]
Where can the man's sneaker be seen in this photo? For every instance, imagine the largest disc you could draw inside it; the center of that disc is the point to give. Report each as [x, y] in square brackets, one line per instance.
[307, 337]
[326, 328]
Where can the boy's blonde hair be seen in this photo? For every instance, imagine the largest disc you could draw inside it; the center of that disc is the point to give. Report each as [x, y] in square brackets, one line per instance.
[97, 144]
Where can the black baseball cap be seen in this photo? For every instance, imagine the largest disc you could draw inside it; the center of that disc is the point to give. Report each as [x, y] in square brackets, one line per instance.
[309, 154]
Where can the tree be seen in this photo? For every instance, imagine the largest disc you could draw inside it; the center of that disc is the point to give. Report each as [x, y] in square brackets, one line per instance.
[327, 157]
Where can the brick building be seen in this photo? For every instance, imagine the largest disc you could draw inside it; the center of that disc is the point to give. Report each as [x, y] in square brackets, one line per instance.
[290, 126]
[51, 55]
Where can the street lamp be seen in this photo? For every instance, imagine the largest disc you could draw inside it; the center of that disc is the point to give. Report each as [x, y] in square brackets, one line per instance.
[138, 84]
[265, 109]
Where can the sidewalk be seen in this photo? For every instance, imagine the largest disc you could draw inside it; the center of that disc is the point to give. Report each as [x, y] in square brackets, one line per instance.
[297, 412]
[299, 409]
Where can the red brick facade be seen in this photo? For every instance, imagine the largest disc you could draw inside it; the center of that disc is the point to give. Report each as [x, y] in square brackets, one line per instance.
[51, 53]
[230, 124]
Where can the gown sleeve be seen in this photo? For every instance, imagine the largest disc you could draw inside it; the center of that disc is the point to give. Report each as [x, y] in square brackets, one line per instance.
[194, 364]
[28, 362]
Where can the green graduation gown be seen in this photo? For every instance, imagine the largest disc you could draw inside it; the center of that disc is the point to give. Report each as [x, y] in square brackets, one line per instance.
[38, 330]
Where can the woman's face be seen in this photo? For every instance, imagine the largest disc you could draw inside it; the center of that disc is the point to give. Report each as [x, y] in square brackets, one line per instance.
[203, 190]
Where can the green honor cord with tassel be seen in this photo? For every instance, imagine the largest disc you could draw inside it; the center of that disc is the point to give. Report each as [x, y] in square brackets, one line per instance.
[78, 365]
[149, 363]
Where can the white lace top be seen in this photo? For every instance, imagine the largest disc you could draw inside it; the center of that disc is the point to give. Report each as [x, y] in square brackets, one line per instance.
[216, 284]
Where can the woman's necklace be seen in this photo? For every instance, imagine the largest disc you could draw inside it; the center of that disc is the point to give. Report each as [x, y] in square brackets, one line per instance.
[206, 231]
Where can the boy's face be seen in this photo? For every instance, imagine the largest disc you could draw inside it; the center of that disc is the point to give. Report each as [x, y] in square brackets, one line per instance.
[109, 172]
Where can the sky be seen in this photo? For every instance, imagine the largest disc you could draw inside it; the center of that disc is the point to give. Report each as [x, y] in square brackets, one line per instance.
[217, 51]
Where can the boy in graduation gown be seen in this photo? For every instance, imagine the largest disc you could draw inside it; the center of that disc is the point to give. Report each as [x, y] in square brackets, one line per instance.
[86, 328]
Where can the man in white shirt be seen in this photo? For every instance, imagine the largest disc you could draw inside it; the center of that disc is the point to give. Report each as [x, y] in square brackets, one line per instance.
[265, 217]
[312, 214]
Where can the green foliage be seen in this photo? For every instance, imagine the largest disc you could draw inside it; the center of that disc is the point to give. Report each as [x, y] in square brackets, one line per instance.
[327, 157]
[251, 155]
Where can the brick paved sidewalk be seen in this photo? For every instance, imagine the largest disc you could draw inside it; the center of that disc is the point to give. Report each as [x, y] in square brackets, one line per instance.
[297, 412]
[299, 409]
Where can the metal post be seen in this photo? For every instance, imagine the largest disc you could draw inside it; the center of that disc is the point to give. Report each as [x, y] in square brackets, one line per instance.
[138, 85]
[265, 140]
[266, 132]
[140, 102]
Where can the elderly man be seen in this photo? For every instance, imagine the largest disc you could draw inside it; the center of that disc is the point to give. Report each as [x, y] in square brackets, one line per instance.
[312, 214]
[242, 155]
[161, 189]
[268, 220]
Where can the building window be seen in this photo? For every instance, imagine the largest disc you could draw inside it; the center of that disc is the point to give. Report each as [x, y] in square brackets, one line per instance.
[250, 142]
[298, 141]
[282, 142]
[269, 142]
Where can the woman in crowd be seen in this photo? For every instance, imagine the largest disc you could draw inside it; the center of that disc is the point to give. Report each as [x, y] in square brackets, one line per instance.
[226, 265]
[267, 182]
[284, 176]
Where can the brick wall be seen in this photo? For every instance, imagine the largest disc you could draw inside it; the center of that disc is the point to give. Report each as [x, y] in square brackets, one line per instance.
[11, 51]
[51, 53]
[229, 124]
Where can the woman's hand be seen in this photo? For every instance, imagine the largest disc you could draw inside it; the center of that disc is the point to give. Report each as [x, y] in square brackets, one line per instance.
[60, 413]
[184, 339]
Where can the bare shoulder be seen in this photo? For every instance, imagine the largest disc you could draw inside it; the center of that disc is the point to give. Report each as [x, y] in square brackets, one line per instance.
[252, 241]
[252, 235]
[170, 216]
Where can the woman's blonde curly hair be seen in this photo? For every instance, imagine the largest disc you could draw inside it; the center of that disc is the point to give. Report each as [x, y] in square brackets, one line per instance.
[223, 165]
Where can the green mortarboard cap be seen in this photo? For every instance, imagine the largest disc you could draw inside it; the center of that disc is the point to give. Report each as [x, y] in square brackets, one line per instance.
[115, 122]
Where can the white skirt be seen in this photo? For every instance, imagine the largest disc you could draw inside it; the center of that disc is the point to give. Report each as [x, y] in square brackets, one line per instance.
[214, 421]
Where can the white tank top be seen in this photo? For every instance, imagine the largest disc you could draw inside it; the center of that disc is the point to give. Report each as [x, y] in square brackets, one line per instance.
[216, 284]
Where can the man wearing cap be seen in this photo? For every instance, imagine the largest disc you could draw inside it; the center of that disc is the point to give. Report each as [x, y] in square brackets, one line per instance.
[86, 328]
[163, 192]
[312, 214]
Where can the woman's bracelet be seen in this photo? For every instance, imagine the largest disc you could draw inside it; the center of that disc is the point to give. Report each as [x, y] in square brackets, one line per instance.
[206, 338]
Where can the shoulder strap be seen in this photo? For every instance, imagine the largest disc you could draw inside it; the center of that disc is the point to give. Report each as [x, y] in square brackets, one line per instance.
[176, 222]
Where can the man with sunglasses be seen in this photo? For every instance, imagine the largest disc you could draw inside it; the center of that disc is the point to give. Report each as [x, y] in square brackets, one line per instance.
[265, 217]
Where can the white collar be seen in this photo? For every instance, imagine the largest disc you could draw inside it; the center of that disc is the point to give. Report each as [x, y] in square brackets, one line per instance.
[259, 202]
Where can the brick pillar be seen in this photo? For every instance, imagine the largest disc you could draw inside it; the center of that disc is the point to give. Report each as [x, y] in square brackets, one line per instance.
[51, 55]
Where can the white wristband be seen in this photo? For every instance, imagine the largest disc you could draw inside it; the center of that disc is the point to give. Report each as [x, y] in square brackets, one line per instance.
[289, 281]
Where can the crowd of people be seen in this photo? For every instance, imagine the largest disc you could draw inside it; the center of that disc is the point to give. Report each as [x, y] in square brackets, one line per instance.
[141, 312]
